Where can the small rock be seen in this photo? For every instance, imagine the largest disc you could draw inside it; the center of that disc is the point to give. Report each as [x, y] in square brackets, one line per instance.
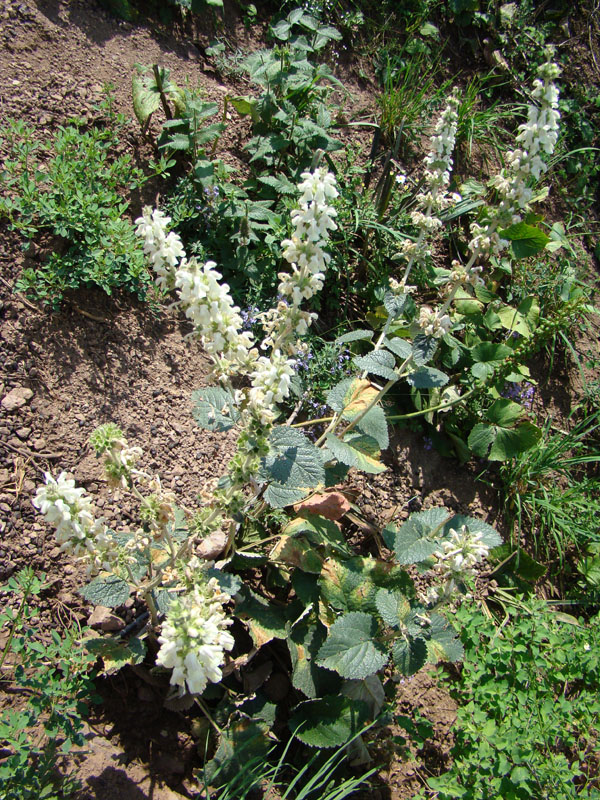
[39, 444]
[4, 476]
[16, 398]
[29, 487]
[23, 433]
[103, 618]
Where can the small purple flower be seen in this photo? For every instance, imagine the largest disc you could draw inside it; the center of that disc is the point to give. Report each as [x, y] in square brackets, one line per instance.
[427, 443]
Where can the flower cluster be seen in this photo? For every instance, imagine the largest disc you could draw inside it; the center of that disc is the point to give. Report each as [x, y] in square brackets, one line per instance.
[312, 220]
[69, 510]
[523, 165]
[216, 319]
[194, 637]
[164, 249]
[434, 198]
[119, 458]
[433, 322]
[459, 554]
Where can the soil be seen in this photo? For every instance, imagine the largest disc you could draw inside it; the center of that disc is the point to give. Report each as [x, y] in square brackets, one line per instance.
[106, 359]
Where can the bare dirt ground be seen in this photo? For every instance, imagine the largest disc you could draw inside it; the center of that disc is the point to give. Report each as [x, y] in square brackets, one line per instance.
[112, 359]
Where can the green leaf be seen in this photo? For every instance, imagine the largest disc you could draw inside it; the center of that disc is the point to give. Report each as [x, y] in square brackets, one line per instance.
[526, 240]
[378, 362]
[265, 621]
[393, 607]
[443, 644]
[242, 741]
[354, 336]
[108, 591]
[369, 690]
[523, 320]
[357, 450]
[228, 583]
[401, 347]
[352, 584]
[511, 443]
[214, 409]
[409, 656]
[328, 722]
[295, 552]
[394, 304]
[423, 349]
[427, 378]
[487, 356]
[293, 466]
[304, 642]
[351, 649]
[374, 425]
[504, 412]
[419, 537]
[320, 531]
[116, 653]
[146, 97]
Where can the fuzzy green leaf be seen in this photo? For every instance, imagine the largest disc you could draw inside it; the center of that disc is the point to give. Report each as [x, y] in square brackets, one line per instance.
[214, 409]
[116, 653]
[443, 644]
[293, 466]
[304, 642]
[108, 591]
[329, 721]
[265, 621]
[427, 378]
[393, 607]
[409, 656]
[357, 450]
[354, 336]
[419, 537]
[352, 584]
[423, 349]
[351, 649]
[378, 362]
[369, 690]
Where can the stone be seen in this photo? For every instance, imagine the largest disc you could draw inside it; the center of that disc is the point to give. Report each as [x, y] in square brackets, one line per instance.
[23, 433]
[103, 618]
[16, 398]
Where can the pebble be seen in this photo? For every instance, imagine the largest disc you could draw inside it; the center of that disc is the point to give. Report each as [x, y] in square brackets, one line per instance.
[16, 398]
[23, 433]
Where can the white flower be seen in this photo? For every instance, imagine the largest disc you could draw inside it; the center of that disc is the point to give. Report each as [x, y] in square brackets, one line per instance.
[164, 250]
[432, 323]
[68, 509]
[460, 553]
[194, 638]
[271, 380]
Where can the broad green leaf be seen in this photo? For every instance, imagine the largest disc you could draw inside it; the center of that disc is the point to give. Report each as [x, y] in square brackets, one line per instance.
[510, 443]
[116, 653]
[228, 582]
[409, 656]
[265, 621]
[241, 741]
[401, 347]
[419, 537]
[293, 466]
[526, 240]
[393, 607]
[357, 450]
[214, 409]
[295, 552]
[304, 642]
[319, 531]
[374, 425]
[443, 644]
[423, 349]
[427, 378]
[369, 690]
[351, 649]
[378, 362]
[394, 304]
[352, 584]
[487, 356]
[145, 99]
[522, 320]
[504, 412]
[354, 336]
[108, 591]
[329, 721]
